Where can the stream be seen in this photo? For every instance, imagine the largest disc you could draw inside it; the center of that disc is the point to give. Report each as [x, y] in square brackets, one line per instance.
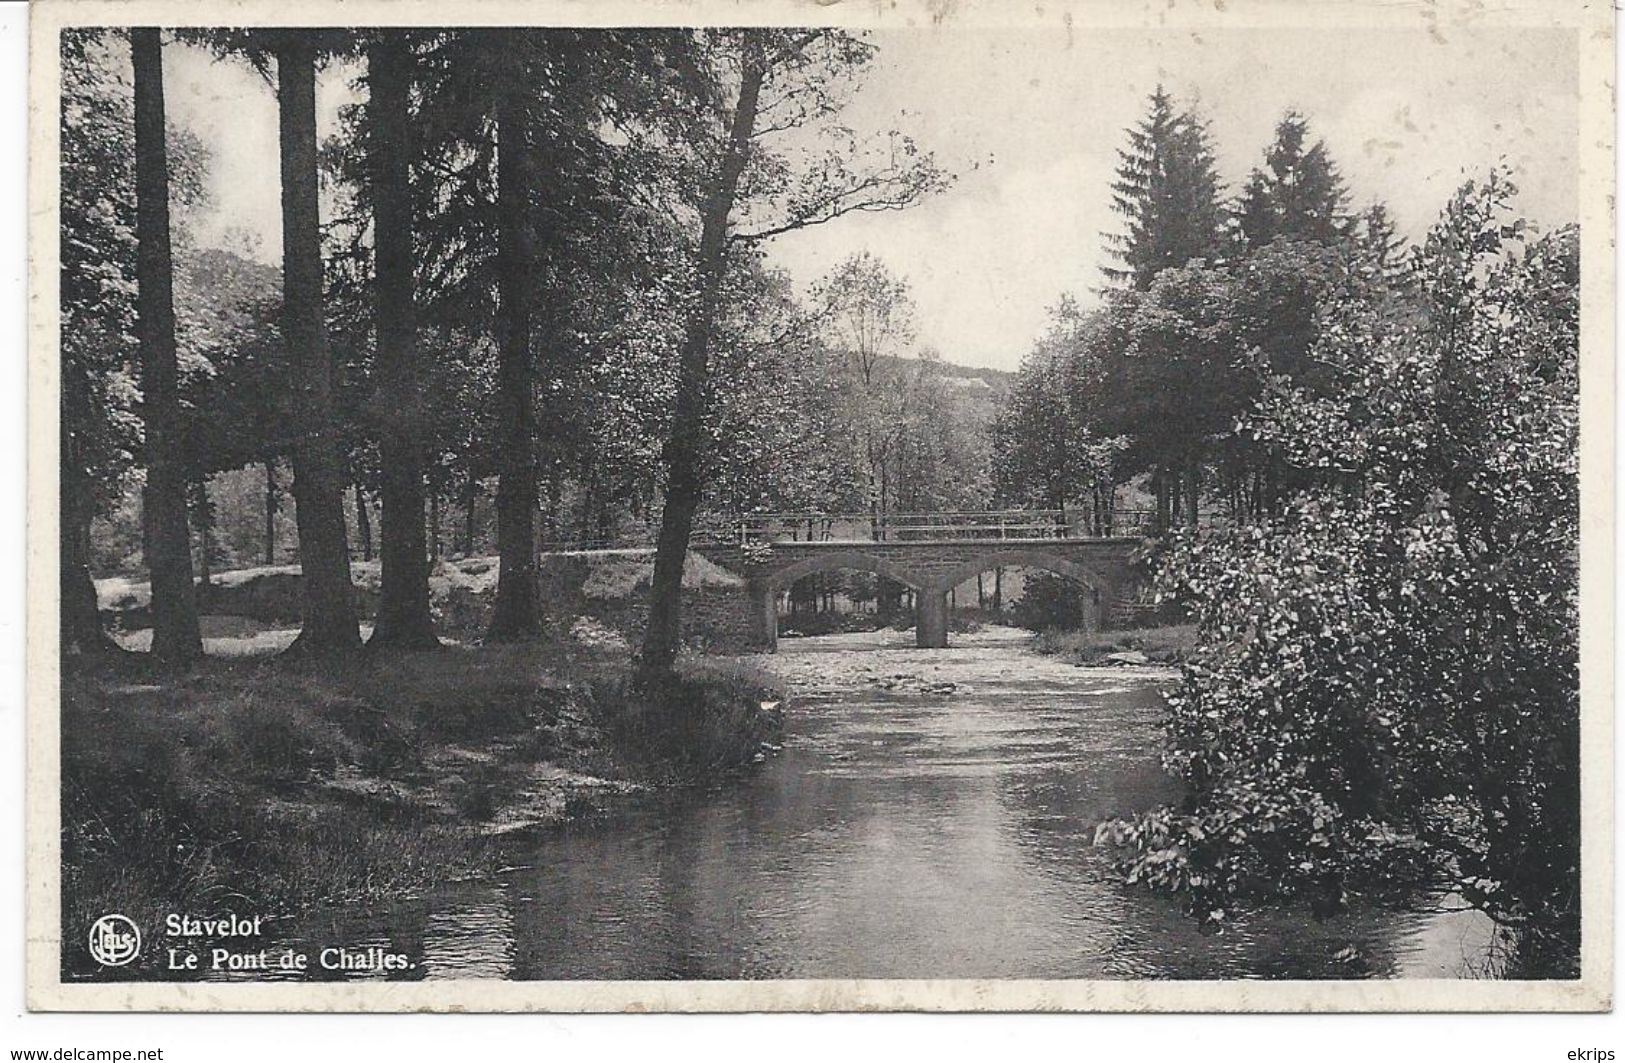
[931, 815]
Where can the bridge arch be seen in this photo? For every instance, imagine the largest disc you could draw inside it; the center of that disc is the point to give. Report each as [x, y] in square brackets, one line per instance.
[1026, 557]
[836, 560]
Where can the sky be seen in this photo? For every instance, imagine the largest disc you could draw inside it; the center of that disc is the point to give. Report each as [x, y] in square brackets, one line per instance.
[1031, 120]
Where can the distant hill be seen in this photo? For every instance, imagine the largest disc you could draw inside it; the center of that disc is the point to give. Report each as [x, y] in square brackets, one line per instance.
[998, 381]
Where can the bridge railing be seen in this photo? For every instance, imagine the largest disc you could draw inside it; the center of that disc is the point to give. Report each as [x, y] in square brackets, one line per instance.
[974, 525]
[980, 525]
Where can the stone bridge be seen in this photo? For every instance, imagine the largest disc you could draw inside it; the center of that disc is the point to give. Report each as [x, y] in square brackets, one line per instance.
[930, 568]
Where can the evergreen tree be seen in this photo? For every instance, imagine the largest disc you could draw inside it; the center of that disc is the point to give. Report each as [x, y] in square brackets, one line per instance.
[1298, 193]
[1380, 243]
[1167, 190]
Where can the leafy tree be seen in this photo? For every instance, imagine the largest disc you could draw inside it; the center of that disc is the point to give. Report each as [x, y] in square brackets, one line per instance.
[101, 431]
[1387, 674]
[234, 382]
[288, 58]
[1048, 445]
[943, 453]
[1167, 191]
[755, 85]
[536, 206]
[868, 318]
[1171, 382]
[909, 449]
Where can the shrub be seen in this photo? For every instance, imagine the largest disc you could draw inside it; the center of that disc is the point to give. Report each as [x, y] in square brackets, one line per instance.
[1388, 671]
[704, 722]
[1054, 603]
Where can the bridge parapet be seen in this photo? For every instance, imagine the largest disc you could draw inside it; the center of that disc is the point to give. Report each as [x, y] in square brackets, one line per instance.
[977, 525]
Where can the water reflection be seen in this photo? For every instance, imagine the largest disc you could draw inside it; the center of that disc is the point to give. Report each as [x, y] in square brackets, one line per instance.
[908, 830]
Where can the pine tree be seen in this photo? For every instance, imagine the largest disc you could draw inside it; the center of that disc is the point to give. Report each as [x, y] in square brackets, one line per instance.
[1167, 189]
[1379, 242]
[1298, 193]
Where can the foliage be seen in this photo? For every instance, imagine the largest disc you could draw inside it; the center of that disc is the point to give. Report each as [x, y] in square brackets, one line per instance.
[1389, 668]
[1054, 603]
[707, 721]
[101, 393]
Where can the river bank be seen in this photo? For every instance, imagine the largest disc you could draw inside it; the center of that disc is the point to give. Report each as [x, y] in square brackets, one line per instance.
[268, 788]
[1169, 645]
[931, 815]
[496, 813]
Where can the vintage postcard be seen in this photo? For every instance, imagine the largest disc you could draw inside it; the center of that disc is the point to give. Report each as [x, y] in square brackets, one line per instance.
[821, 506]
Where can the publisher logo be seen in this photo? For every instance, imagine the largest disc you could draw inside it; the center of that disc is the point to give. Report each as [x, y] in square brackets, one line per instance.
[114, 941]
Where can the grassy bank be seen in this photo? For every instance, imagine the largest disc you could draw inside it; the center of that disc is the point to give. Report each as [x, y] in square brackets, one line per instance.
[1153, 645]
[267, 787]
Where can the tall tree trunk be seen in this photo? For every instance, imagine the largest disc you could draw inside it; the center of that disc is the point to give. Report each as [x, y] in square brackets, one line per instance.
[363, 523]
[434, 525]
[555, 494]
[684, 449]
[81, 620]
[318, 471]
[175, 635]
[203, 520]
[589, 497]
[1194, 482]
[471, 496]
[271, 505]
[515, 614]
[404, 620]
[1165, 516]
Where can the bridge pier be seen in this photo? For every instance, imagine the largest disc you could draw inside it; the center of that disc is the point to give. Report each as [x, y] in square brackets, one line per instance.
[764, 611]
[931, 619]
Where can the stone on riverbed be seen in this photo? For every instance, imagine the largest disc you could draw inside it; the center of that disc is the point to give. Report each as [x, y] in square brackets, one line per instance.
[908, 683]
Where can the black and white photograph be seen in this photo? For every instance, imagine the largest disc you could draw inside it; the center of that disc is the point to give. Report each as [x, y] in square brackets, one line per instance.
[789, 507]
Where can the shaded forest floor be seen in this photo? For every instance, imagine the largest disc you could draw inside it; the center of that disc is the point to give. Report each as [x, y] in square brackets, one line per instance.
[267, 787]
